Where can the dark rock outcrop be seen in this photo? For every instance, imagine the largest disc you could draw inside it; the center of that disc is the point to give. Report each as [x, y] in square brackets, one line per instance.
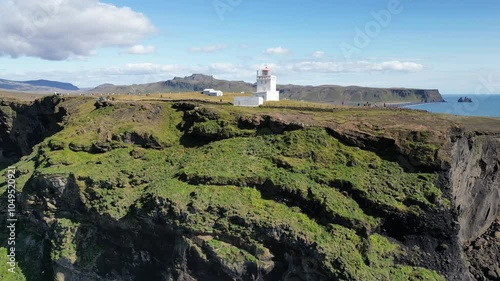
[483, 253]
[464, 99]
[22, 126]
[475, 182]
[475, 187]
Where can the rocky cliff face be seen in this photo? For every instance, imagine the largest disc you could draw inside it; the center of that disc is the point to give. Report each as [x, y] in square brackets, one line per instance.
[24, 125]
[475, 182]
[337, 94]
[475, 186]
[186, 191]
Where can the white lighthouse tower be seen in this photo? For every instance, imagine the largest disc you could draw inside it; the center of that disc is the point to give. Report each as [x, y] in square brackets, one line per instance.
[266, 90]
[266, 86]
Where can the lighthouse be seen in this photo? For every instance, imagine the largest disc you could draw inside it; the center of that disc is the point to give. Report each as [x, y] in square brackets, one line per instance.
[266, 90]
[266, 85]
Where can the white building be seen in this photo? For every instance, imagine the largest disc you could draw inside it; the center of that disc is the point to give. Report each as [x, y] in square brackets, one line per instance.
[266, 86]
[266, 90]
[213, 93]
[248, 101]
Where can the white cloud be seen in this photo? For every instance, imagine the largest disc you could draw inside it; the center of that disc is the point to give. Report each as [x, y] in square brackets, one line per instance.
[59, 29]
[141, 50]
[152, 72]
[147, 72]
[318, 54]
[153, 68]
[131, 73]
[349, 67]
[398, 66]
[222, 67]
[141, 69]
[277, 51]
[271, 66]
[208, 49]
[244, 46]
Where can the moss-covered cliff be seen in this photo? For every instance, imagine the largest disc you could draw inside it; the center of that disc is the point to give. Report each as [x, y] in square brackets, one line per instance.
[192, 191]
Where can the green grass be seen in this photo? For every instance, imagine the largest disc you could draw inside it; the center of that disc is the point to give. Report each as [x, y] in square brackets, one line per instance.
[5, 274]
[305, 185]
[312, 159]
[63, 242]
[230, 254]
[410, 273]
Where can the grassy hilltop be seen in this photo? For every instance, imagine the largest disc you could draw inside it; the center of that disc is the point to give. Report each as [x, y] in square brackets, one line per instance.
[149, 189]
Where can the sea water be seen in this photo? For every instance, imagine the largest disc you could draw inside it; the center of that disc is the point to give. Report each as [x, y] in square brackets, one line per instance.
[481, 105]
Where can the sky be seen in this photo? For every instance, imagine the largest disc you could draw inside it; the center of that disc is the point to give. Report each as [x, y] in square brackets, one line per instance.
[453, 46]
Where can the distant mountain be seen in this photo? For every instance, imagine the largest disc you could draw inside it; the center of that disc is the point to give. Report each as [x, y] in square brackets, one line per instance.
[354, 94]
[52, 84]
[36, 86]
[193, 83]
[325, 93]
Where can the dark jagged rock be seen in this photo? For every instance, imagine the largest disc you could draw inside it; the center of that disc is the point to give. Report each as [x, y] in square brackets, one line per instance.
[464, 99]
[22, 126]
[102, 102]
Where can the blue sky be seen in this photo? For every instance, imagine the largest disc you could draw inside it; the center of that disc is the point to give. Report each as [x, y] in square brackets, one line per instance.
[449, 45]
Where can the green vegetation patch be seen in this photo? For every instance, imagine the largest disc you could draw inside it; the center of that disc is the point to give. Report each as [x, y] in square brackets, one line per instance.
[230, 254]
[15, 274]
[63, 240]
[302, 188]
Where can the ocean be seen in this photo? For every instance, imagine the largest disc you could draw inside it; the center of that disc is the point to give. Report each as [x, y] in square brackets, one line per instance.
[481, 105]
